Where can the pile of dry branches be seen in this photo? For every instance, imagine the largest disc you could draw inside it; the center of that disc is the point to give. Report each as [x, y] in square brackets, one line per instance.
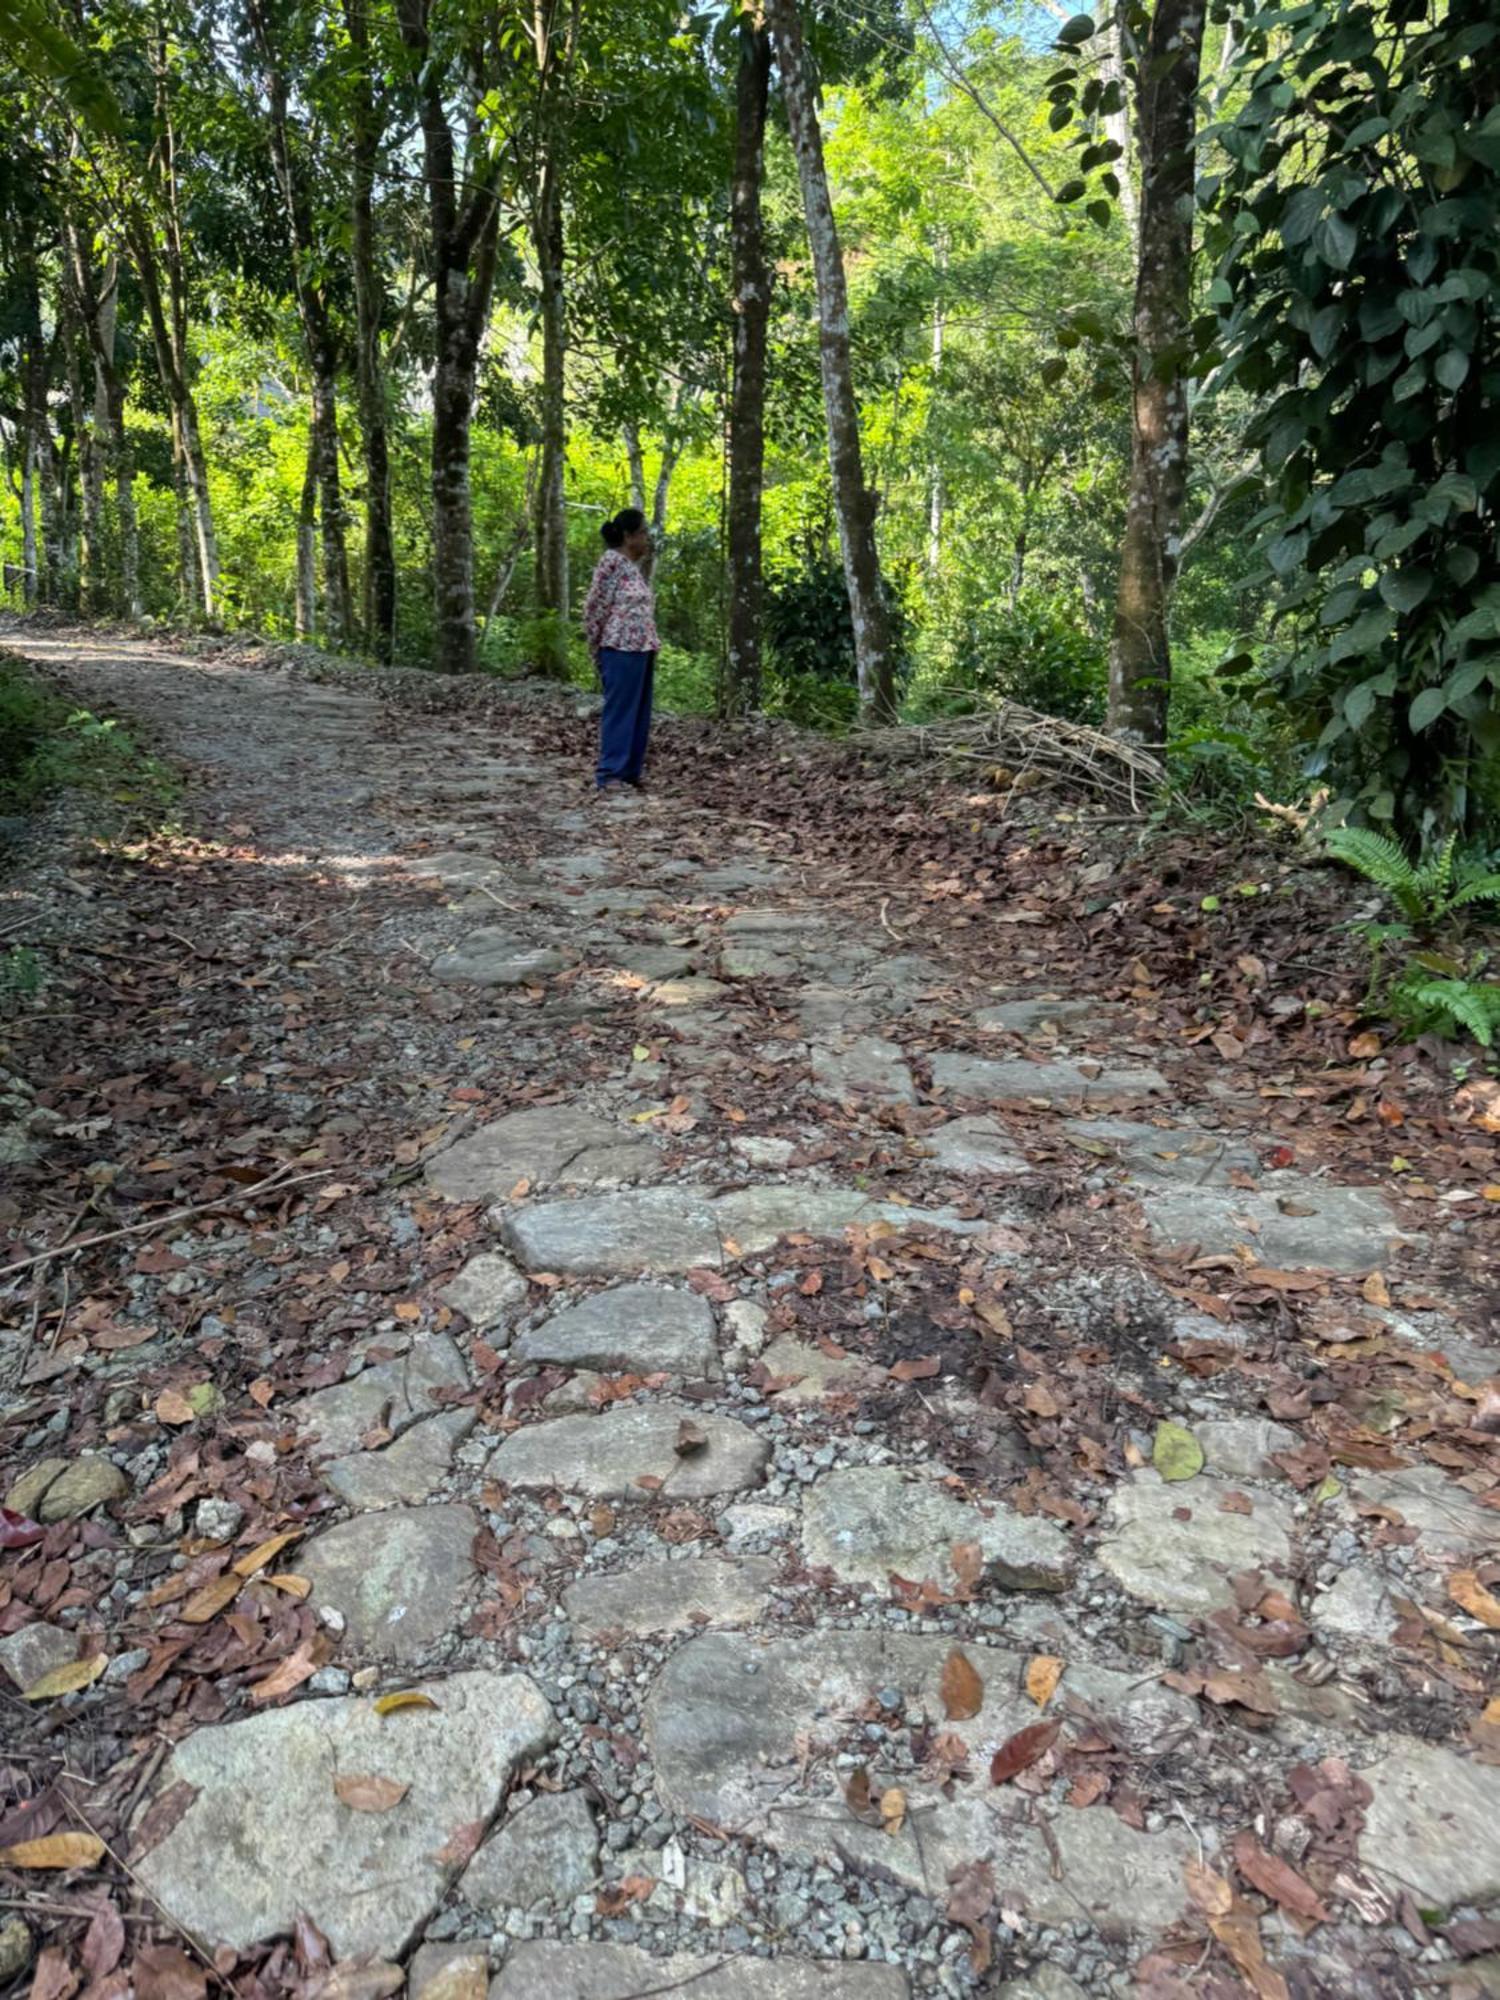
[1029, 751]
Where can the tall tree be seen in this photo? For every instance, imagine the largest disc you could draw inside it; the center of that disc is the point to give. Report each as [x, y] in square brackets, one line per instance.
[554, 40]
[750, 304]
[854, 503]
[463, 187]
[367, 118]
[1166, 100]
[272, 32]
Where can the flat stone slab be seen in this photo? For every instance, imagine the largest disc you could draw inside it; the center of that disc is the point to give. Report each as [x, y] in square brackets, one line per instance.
[867, 1067]
[606, 1455]
[547, 1852]
[489, 957]
[974, 1145]
[405, 1473]
[1291, 1222]
[1039, 1013]
[387, 1395]
[1446, 1515]
[551, 1144]
[399, 1578]
[868, 1522]
[621, 1972]
[1164, 1155]
[668, 1230]
[672, 1596]
[266, 1837]
[639, 1329]
[730, 1717]
[1054, 1082]
[487, 1290]
[807, 1374]
[1188, 1566]
[1434, 1825]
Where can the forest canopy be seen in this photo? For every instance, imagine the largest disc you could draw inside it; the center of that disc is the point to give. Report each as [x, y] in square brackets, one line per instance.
[1139, 367]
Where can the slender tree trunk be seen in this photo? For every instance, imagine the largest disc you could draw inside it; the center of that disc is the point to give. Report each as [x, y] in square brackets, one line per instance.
[464, 238]
[1140, 661]
[369, 308]
[935, 494]
[551, 514]
[1117, 123]
[317, 330]
[168, 338]
[37, 450]
[306, 611]
[661, 493]
[189, 579]
[520, 535]
[854, 503]
[28, 514]
[750, 302]
[635, 458]
[98, 313]
[87, 583]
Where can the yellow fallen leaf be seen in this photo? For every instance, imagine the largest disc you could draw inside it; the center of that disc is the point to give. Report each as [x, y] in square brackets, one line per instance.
[1375, 1290]
[67, 1679]
[640, 1053]
[294, 1586]
[407, 1698]
[645, 1117]
[1491, 1192]
[1492, 1710]
[1042, 1676]
[267, 1552]
[1175, 1452]
[408, 1310]
[213, 1598]
[54, 1850]
[892, 1810]
[1465, 1588]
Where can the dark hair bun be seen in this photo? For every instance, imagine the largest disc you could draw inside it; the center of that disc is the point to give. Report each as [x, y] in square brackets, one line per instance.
[628, 521]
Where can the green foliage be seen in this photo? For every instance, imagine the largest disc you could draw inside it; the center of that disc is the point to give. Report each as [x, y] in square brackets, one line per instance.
[1419, 1004]
[20, 976]
[1357, 226]
[1037, 651]
[45, 747]
[1428, 892]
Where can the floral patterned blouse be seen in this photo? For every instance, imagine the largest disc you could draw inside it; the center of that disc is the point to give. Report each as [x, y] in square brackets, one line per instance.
[620, 611]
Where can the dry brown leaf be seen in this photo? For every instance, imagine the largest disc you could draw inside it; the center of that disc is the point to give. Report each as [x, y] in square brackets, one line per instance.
[1277, 1879]
[162, 1972]
[67, 1679]
[370, 1794]
[53, 1978]
[892, 1810]
[257, 1558]
[1210, 1891]
[1465, 1588]
[213, 1598]
[1042, 1676]
[919, 1370]
[54, 1850]
[104, 1941]
[961, 1688]
[293, 1586]
[967, 1559]
[172, 1407]
[1019, 1752]
[296, 1668]
[1375, 1290]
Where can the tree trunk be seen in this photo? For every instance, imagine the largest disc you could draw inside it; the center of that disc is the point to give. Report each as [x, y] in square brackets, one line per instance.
[97, 308]
[464, 238]
[317, 330]
[750, 302]
[1140, 661]
[853, 502]
[935, 495]
[86, 585]
[305, 615]
[635, 458]
[369, 307]
[37, 433]
[1117, 123]
[168, 338]
[551, 513]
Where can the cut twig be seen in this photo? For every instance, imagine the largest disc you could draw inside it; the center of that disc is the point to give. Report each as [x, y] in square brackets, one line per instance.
[278, 1181]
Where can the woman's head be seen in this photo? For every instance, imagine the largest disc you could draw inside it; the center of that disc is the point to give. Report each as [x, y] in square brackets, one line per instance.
[627, 531]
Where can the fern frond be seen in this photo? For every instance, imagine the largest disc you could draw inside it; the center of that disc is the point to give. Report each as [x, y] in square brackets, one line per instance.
[1476, 889]
[1476, 1008]
[1382, 861]
[1434, 878]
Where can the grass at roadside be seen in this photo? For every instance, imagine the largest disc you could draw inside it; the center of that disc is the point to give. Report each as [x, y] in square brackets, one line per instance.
[48, 746]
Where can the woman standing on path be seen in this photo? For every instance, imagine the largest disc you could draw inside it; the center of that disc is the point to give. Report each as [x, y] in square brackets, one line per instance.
[619, 621]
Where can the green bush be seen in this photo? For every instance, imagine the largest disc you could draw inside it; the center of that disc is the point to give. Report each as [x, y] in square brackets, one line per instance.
[45, 746]
[1037, 652]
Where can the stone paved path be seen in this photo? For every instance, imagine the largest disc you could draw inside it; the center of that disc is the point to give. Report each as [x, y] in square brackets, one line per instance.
[690, 1722]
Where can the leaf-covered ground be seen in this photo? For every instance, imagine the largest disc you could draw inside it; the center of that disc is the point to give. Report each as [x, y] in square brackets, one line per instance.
[906, 1388]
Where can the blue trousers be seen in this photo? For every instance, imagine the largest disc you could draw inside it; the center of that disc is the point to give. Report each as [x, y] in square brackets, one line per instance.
[625, 725]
